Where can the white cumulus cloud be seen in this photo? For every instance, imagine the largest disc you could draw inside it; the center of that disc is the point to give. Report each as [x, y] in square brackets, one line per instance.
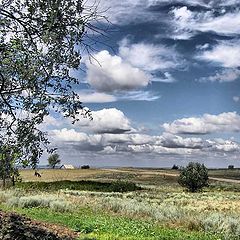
[224, 122]
[128, 143]
[70, 135]
[107, 120]
[224, 145]
[110, 73]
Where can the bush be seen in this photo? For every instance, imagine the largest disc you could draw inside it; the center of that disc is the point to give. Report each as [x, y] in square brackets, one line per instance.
[118, 186]
[230, 166]
[175, 167]
[194, 177]
[85, 167]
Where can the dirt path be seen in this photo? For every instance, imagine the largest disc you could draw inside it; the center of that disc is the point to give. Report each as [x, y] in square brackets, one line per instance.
[161, 172]
[225, 180]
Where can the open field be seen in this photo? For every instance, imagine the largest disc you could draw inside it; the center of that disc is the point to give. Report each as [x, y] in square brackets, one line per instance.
[160, 210]
[225, 173]
[137, 175]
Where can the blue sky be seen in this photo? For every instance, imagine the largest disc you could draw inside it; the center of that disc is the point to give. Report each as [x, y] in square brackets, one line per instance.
[163, 87]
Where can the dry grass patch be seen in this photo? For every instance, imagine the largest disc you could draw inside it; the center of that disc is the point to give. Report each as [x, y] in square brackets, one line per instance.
[50, 175]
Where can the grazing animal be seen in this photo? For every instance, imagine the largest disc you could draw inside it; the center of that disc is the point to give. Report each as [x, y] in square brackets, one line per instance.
[37, 174]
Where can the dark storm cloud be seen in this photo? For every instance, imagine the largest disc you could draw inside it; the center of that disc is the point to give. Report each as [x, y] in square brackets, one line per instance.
[113, 131]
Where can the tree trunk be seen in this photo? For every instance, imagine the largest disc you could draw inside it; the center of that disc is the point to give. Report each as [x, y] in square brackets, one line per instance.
[4, 181]
[13, 180]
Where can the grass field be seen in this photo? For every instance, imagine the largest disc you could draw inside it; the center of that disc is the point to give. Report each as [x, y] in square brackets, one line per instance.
[225, 173]
[125, 174]
[133, 174]
[160, 210]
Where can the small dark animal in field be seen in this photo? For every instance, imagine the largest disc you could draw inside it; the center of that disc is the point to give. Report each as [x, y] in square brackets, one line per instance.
[37, 174]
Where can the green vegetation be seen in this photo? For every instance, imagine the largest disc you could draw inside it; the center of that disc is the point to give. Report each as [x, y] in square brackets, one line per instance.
[85, 167]
[230, 166]
[102, 226]
[43, 201]
[116, 186]
[175, 167]
[8, 156]
[161, 210]
[194, 177]
[36, 64]
[54, 160]
[225, 173]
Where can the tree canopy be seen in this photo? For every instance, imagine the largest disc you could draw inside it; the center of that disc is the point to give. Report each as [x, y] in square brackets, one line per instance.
[40, 43]
[194, 176]
[53, 160]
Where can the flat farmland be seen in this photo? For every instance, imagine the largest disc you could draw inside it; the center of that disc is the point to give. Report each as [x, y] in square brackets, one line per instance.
[127, 203]
[138, 175]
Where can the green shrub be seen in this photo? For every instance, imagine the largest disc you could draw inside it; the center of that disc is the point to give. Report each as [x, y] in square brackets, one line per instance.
[118, 186]
[230, 166]
[85, 167]
[175, 167]
[194, 177]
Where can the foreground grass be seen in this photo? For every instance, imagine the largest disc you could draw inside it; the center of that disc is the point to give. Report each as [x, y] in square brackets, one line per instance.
[161, 210]
[99, 225]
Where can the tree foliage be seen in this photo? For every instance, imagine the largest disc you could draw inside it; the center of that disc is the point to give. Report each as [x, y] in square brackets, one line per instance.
[8, 170]
[40, 44]
[194, 177]
[175, 167]
[53, 160]
[230, 166]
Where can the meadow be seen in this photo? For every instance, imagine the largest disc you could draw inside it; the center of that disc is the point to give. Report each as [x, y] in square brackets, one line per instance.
[128, 203]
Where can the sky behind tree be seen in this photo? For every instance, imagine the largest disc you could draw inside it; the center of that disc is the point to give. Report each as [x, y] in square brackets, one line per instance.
[164, 89]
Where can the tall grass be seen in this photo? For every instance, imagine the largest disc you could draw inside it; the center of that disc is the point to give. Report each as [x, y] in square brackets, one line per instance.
[21, 200]
[208, 212]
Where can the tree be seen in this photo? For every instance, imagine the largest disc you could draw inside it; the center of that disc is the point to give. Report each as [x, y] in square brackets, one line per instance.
[40, 44]
[175, 167]
[231, 167]
[8, 156]
[85, 167]
[53, 160]
[194, 177]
